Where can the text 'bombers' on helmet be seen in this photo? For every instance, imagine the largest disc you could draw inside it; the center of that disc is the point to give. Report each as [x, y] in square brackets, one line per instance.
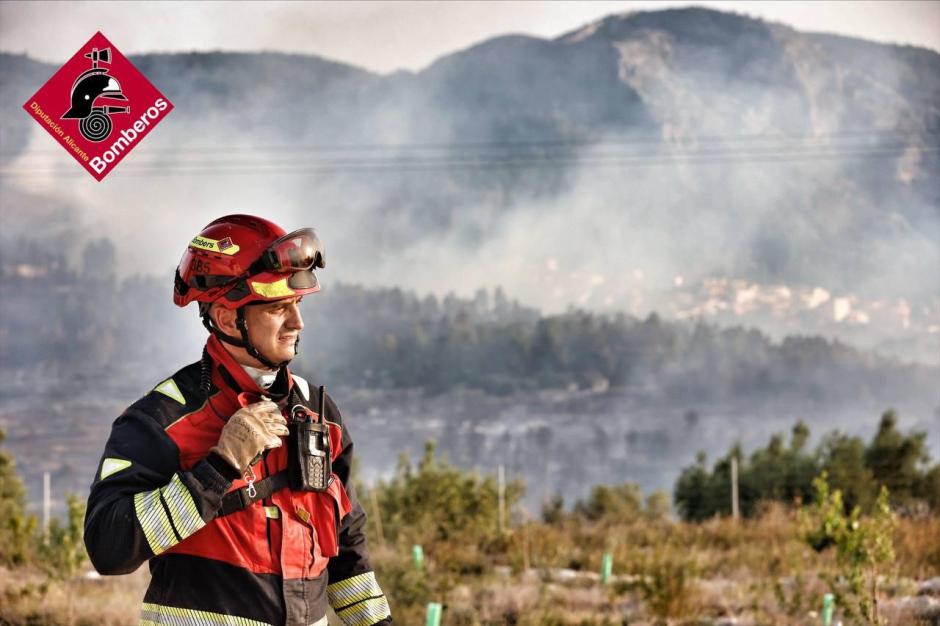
[237, 259]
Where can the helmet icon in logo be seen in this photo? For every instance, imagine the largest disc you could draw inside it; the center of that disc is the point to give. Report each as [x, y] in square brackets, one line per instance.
[90, 87]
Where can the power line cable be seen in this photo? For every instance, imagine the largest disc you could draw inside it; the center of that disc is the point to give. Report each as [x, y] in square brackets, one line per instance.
[636, 160]
[606, 139]
[557, 155]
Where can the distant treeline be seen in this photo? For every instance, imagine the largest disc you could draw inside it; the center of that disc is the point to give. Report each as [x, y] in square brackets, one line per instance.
[784, 472]
[392, 338]
[52, 315]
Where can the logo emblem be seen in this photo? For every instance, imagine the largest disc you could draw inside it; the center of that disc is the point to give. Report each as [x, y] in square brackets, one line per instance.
[98, 106]
[91, 93]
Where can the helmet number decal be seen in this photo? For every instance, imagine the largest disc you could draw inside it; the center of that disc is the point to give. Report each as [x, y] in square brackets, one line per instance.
[202, 267]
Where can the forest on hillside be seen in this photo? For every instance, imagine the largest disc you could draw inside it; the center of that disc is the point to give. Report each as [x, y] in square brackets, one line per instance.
[393, 338]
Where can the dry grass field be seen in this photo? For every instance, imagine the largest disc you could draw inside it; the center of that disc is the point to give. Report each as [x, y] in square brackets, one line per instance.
[757, 571]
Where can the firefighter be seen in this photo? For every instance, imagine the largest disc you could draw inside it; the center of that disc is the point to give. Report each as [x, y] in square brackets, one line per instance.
[200, 476]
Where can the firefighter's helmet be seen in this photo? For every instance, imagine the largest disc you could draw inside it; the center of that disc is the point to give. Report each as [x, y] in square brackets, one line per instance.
[89, 87]
[238, 260]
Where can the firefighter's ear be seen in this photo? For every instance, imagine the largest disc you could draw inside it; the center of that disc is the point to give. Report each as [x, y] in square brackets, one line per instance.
[224, 319]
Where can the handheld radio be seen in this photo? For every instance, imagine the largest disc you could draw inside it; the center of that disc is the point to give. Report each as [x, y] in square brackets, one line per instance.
[309, 462]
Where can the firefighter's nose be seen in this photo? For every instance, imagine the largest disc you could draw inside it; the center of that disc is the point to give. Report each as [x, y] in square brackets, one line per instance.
[295, 320]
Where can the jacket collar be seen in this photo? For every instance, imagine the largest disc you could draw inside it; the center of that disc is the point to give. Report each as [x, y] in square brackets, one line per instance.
[231, 378]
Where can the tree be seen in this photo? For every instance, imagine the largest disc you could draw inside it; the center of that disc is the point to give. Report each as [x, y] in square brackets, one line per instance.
[929, 488]
[843, 459]
[691, 491]
[63, 550]
[895, 459]
[16, 528]
[621, 502]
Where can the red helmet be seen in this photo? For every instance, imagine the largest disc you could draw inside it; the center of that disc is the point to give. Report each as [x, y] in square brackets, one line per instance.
[239, 259]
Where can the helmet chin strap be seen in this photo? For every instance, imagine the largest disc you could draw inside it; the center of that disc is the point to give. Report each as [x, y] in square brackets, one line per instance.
[244, 342]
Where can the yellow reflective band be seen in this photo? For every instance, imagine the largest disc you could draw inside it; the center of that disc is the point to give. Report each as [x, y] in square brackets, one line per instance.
[170, 390]
[272, 512]
[182, 507]
[351, 590]
[365, 613]
[110, 466]
[277, 289]
[153, 521]
[159, 614]
[224, 246]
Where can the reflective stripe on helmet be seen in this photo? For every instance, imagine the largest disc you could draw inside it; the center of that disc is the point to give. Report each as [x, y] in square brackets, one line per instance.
[276, 289]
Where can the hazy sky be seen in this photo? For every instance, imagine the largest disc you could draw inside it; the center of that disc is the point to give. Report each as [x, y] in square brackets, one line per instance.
[388, 36]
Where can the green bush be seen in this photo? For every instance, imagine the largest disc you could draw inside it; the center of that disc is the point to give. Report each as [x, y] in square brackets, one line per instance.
[863, 545]
[62, 552]
[437, 501]
[620, 502]
[17, 529]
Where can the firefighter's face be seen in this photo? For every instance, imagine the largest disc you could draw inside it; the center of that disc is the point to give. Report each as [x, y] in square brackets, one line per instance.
[274, 328]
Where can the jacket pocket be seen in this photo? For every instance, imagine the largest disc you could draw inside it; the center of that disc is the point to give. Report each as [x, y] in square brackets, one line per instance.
[336, 440]
[332, 506]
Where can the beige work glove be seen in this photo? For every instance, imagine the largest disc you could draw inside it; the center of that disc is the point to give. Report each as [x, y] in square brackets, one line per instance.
[249, 432]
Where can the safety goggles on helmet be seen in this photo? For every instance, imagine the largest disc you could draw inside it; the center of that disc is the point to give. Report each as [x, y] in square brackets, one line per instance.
[296, 251]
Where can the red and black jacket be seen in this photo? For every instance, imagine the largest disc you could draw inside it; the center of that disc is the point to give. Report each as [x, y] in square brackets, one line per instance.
[158, 496]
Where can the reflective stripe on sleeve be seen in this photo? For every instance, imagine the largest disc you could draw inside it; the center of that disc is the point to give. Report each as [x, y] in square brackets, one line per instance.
[182, 507]
[346, 592]
[359, 600]
[156, 614]
[366, 612]
[153, 520]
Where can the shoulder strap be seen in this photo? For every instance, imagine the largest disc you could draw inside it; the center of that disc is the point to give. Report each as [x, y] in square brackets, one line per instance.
[242, 499]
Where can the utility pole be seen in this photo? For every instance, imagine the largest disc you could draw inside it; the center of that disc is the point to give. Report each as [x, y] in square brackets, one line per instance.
[734, 488]
[378, 514]
[501, 497]
[46, 501]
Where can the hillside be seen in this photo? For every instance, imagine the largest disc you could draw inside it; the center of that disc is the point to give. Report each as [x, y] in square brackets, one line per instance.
[683, 142]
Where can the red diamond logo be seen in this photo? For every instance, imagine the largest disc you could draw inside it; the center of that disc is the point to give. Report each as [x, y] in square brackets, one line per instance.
[98, 106]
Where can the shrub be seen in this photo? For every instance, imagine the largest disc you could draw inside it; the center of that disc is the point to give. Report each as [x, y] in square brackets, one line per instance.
[17, 529]
[62, 551]
[437, 501]
[863, 545]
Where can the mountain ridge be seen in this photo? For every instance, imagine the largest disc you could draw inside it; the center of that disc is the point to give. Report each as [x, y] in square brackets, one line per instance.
[660, 148]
